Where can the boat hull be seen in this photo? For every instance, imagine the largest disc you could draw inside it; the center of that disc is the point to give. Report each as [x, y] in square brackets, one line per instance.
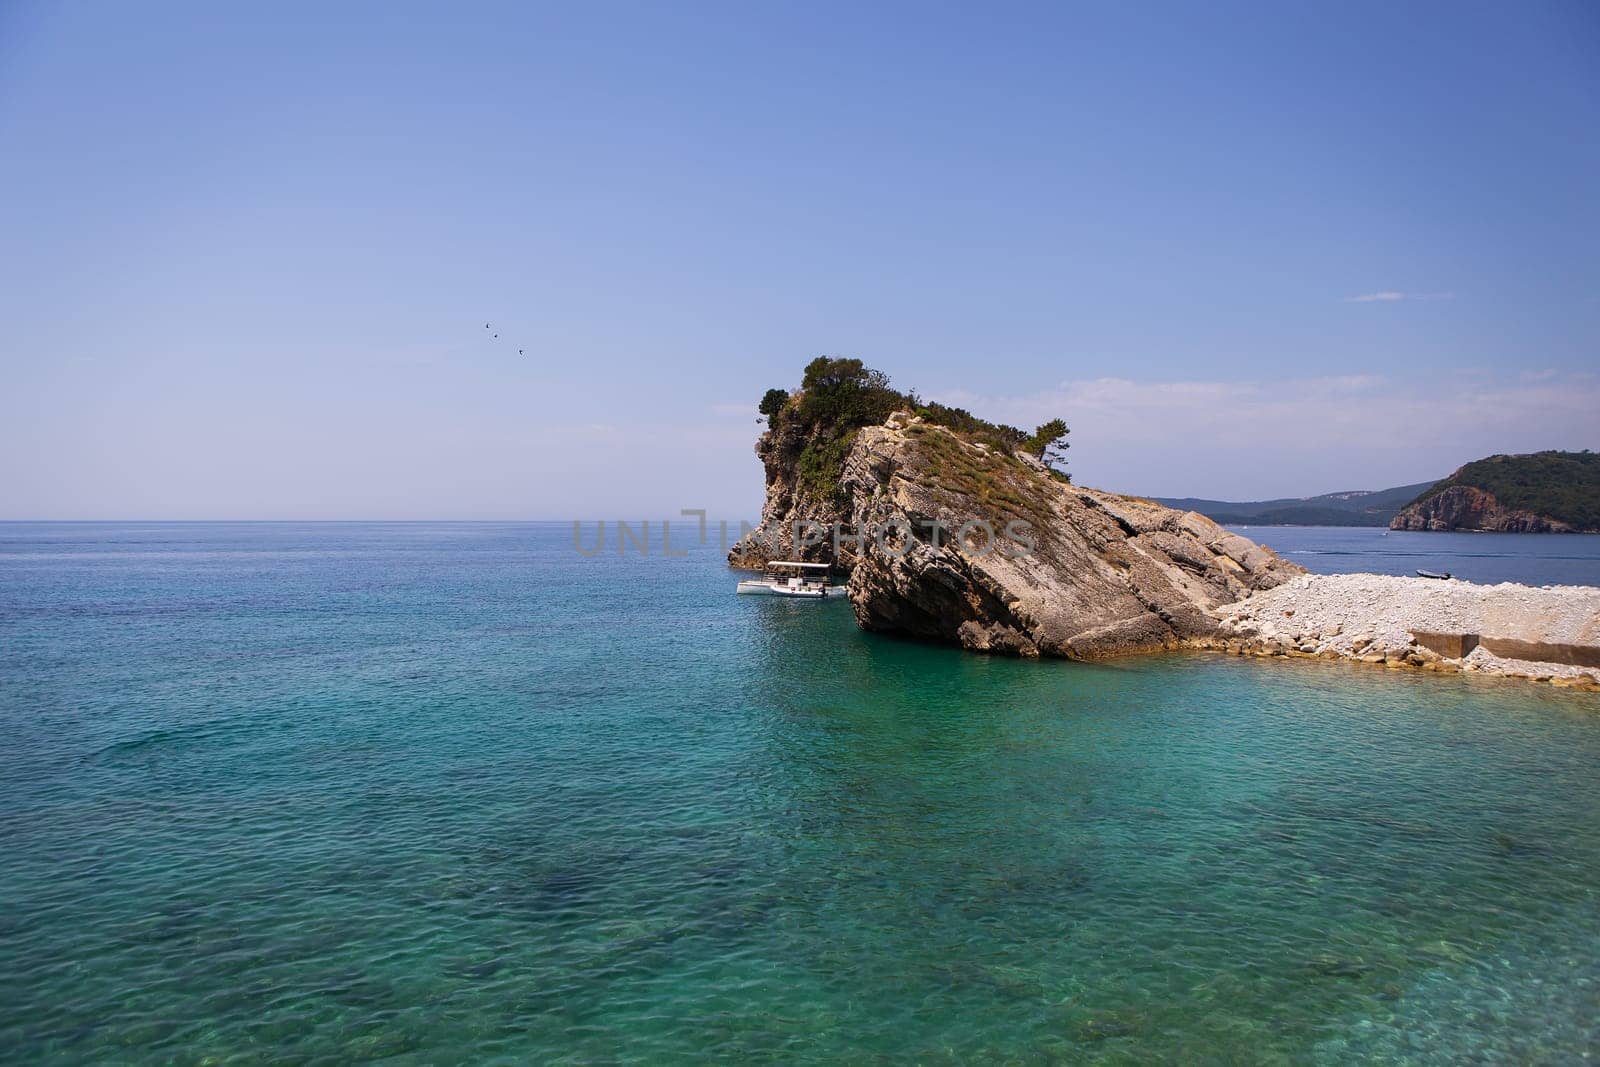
[758, 588]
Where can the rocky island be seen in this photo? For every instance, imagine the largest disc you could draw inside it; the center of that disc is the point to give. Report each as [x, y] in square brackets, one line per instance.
[959, 530]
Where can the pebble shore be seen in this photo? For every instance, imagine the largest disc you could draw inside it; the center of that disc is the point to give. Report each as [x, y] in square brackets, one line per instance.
[1377, 618]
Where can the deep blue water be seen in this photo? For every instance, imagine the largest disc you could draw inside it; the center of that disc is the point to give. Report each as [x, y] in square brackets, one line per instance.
[1486, 558]
[450, 793]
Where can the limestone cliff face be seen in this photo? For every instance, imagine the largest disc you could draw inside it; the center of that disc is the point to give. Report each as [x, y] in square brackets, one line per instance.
[1466, 507]
[789, 500]
[1045, 568]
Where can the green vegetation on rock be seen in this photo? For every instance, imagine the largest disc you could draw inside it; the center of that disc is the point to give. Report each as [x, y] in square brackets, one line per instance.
[963, 422]
[839, 396]
[846, 394]
[1564, 486]
[822, 461]
[773, 402]
[994, 479]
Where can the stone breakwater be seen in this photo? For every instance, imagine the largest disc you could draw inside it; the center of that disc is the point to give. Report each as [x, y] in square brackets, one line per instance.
[1549, 633]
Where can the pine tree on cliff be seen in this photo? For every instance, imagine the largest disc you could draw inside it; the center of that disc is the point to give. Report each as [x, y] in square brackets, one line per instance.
[1049, 443]
[772, 403]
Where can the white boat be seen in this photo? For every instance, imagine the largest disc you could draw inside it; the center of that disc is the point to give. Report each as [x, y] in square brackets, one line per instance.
[792, 578]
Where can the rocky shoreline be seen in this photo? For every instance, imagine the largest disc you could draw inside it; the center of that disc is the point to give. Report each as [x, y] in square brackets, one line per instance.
[1545, 634]
[1102, 575]
[950, 533]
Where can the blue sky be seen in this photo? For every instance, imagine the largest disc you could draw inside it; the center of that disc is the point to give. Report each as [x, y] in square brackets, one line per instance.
[1245, 250]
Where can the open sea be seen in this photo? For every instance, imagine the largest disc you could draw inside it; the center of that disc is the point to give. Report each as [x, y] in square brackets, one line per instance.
[450, 793]
[1485, 558]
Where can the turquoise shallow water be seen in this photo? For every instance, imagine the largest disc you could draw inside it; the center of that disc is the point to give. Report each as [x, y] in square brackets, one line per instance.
[454, 793]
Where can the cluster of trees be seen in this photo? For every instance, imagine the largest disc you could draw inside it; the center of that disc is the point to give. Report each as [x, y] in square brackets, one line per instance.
[844, 395]
[773, 403]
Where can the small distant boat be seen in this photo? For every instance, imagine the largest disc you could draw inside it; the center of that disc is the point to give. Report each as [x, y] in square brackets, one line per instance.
[1434, 574]
[792, 578]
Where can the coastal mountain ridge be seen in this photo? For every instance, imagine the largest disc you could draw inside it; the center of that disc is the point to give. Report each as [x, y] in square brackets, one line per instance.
[1541, 492]
[1358, 507]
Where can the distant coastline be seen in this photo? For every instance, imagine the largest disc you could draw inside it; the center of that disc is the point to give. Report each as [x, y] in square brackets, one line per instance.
[1542, 492]
[1358, 507]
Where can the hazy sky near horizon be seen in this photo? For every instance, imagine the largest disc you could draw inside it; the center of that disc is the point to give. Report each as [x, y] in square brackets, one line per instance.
[1246, 251]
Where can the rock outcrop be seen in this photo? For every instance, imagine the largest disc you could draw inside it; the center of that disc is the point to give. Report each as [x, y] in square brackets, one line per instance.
[1466, 507]
[949, 537]
[952, 540]
[790, 500]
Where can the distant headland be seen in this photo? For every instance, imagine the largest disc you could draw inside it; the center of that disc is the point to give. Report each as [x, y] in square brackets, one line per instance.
[1545, 492]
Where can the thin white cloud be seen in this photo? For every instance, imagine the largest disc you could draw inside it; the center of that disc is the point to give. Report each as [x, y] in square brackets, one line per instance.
[1391, 295]
[1251, 440]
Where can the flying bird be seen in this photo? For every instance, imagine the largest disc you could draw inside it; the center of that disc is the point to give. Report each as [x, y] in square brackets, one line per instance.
[519, 351]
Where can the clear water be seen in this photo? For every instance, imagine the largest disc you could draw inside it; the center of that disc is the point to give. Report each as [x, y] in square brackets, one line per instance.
[454, 793]
[1487, 558]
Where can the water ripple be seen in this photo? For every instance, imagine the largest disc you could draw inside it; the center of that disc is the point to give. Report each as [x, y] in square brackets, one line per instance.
[707, 829]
